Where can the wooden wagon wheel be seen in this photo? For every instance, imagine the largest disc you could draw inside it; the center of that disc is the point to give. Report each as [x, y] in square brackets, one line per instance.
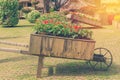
[102, 59]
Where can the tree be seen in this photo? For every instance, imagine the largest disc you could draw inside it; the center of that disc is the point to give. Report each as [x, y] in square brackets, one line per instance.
[47, 5]
[57, 4]
[9, 12]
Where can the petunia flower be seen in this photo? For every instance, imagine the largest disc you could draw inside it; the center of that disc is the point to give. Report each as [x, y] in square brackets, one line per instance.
[76, 28]
[45, 22]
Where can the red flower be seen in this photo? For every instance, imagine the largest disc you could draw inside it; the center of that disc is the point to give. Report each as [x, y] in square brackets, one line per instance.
[77, 27]
[45, 22]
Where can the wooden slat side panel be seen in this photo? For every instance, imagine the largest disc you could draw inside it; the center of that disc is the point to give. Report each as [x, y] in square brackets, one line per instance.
[47, 44]
[90, 51]
[35, 44]
[44, 46]
[57, 47]
[78, 49]
[67, 52]
[84, 50]
[61, 47]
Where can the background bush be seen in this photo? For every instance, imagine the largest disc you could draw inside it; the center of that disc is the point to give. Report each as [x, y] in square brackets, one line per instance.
[9, 12]
[33, 15]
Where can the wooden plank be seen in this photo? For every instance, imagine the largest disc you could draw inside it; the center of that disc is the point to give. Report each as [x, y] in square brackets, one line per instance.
[67, 48]
[25, 52]
[61, 47]
[40, 66]
[10, 50]
[35, 44]
[14, 44]
[45, 45]
[58, 47]
[78, 49]
[15, 50]
[87, 21]
[89, 51]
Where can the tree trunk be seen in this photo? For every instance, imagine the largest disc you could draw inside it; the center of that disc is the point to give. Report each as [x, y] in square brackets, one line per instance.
[59, 4]
[46, 5]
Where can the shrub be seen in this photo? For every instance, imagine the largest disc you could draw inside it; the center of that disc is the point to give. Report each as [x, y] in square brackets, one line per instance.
[33, 16]
[20, 7]
[9, 12]
[52, 10]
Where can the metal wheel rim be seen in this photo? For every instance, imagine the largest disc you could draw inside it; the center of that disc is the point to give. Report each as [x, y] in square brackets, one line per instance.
[101, 67]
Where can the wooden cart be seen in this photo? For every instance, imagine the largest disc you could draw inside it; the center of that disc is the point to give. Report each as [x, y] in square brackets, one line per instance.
[60, 47]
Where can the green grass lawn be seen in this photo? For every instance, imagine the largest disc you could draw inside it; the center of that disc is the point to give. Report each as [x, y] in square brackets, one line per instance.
[15, 66]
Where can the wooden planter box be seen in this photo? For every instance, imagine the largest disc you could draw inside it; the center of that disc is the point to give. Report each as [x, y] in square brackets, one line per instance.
[54, 46]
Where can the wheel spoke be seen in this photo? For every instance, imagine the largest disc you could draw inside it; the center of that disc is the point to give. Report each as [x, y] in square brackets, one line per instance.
[100, 50]
[100, 65]
[96, 64]
[108, 58]
[106, 63]
[103, 59]
[91, 64]
[105, 53]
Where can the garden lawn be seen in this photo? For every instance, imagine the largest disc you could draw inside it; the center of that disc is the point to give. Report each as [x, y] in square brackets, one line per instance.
[15, 66]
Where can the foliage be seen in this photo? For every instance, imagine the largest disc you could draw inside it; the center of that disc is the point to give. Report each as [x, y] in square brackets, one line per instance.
[52, 10]
[33, 15]
[56, 24]
[53, 15]
[9, 12]
[20, 7]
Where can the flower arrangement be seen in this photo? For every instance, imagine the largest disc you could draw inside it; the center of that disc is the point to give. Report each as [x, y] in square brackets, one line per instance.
[56, 24]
